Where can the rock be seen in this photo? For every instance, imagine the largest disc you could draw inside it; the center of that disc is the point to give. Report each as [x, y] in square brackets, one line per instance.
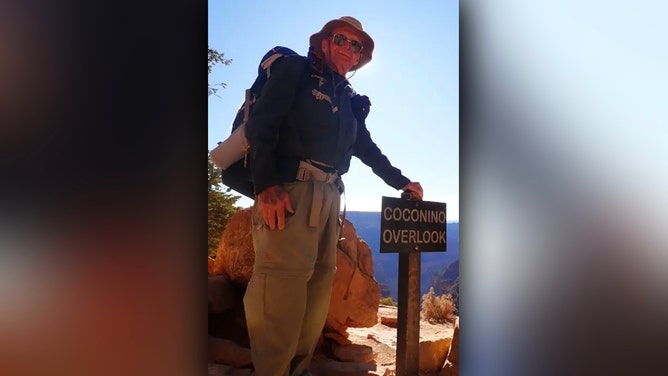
[451, 366]
[224, 351]
[229, 325]
[322, 366]
[355, 294]
[335, 326]
[388, 321]
[349, 240]
[222, 294]
[356, 248]
[449, 369]
[373, 337]
[211, 265]
[353, 353]
[225, 370]
[235, 255]
[433, 354]
[337, 338]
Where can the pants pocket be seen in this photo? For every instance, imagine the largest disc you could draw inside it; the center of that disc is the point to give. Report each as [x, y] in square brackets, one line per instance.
[254, 299]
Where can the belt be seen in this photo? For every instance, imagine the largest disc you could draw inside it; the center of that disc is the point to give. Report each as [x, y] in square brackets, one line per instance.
[309, 172]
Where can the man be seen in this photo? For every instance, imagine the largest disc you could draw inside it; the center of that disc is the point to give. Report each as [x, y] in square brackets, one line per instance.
[303, 131]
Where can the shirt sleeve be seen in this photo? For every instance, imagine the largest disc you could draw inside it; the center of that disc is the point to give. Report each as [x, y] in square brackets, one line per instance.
[369, 153]
[264, 122]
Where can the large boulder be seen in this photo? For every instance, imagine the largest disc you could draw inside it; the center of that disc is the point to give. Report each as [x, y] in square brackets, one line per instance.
[211, 265]
[451, 366]
[355, 293]
[235, 255]
[432, 354]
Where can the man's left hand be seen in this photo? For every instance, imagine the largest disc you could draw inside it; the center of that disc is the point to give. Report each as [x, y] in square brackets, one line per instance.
[414, 187]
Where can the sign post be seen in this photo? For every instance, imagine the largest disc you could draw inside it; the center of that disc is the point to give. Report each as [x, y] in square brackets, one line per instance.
[409, 227]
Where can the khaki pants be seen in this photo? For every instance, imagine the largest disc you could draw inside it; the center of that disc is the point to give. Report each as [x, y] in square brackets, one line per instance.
[288, 296]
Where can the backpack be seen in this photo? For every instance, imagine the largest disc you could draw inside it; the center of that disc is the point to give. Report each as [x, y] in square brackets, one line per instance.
[231, 155]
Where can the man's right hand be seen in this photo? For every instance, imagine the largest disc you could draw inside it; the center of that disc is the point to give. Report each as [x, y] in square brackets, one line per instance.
[273, 202]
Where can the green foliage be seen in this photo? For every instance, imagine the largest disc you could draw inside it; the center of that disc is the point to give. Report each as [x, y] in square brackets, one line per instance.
[221, 208]
[214, 180]
[388, 301]
[221, 204]
[214, 58]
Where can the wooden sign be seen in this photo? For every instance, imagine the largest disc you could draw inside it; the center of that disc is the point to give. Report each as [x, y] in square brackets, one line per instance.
[409, 226]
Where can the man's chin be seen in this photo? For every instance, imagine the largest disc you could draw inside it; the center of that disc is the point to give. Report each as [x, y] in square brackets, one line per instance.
[345, 57]
[345, 64]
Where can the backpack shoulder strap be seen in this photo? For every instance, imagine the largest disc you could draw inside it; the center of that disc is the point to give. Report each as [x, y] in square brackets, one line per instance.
[270, 57]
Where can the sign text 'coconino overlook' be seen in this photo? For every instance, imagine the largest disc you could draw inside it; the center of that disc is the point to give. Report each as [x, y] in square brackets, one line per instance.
[412, 226]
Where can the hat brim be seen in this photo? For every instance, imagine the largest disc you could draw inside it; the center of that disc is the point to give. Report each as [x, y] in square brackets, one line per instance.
[367, 42]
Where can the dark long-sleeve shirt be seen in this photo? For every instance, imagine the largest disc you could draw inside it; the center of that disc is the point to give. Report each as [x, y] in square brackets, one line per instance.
[306, 114]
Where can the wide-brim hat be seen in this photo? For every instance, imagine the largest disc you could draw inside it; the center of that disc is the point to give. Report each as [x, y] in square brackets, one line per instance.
[367, 41]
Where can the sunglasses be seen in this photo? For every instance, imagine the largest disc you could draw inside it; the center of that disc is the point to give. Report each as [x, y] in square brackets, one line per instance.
[340, 40]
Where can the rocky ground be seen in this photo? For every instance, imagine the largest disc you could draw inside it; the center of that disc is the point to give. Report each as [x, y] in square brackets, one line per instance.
[381, 341]
[382, 338]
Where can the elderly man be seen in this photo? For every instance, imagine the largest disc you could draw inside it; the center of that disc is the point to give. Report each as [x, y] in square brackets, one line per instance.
[303, 131]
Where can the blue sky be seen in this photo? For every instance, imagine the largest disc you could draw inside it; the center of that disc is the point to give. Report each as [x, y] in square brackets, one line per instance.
[412, 81]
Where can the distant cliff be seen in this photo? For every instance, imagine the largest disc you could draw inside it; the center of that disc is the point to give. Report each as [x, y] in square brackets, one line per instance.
[386, 265]
[446, 281]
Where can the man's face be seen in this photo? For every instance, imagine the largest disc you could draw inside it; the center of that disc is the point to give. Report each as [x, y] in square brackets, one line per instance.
[342, 57]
